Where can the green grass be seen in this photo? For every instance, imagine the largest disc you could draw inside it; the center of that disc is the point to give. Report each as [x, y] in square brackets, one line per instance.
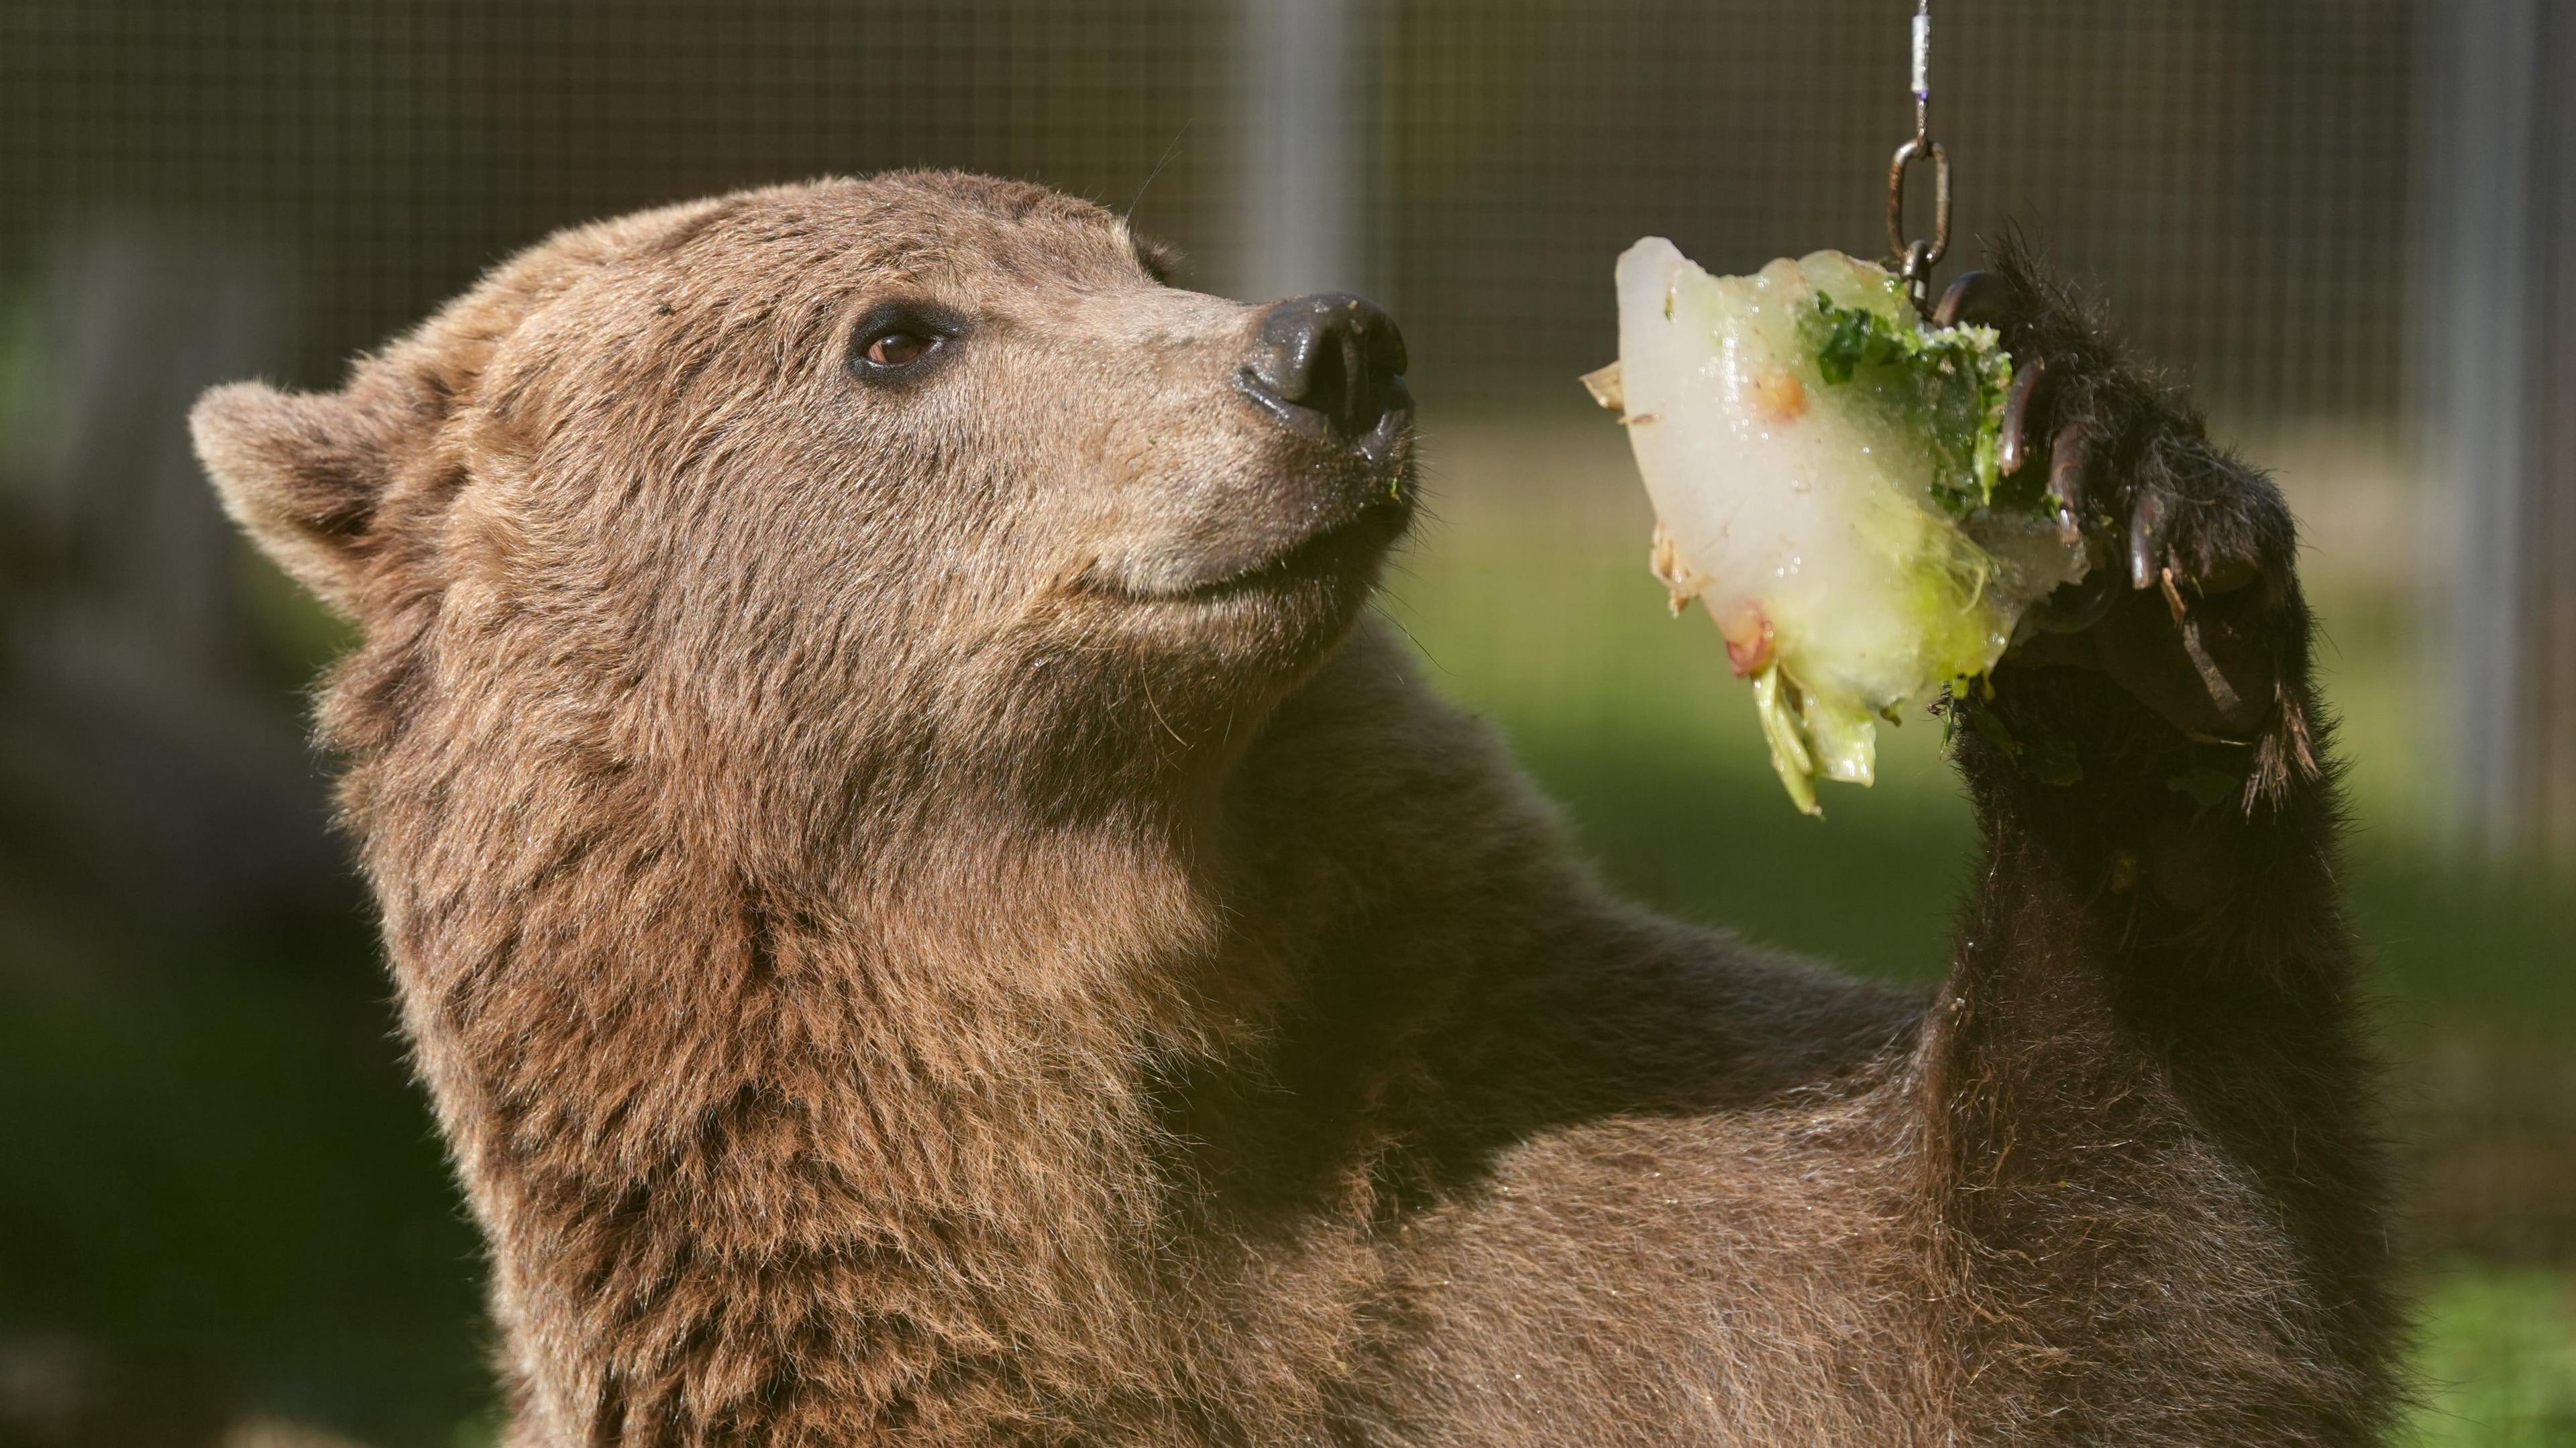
[2498, 1365]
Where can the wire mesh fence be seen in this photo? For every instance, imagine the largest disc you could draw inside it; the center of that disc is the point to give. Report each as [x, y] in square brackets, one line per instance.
[2234, 173]
[386, 152]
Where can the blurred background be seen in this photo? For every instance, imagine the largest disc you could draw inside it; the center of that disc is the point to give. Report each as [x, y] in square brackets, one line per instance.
[224, 1216]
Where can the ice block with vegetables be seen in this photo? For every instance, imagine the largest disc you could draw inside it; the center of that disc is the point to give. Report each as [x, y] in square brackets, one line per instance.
[1823, 471]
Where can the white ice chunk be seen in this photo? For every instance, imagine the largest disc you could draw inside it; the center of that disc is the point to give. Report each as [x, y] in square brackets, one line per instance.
[1822, 469]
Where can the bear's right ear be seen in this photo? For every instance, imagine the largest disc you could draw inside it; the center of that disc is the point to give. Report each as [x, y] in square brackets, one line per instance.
[301, 473]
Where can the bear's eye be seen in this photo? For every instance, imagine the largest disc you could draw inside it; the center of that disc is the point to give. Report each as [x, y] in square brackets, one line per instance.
[899, 341]
[893, 349]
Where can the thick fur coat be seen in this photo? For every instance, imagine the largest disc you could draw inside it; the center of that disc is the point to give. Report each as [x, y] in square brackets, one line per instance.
[928, 914]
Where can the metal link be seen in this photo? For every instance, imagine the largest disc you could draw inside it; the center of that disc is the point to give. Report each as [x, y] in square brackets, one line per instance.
[1915, 270]
[1917, 258]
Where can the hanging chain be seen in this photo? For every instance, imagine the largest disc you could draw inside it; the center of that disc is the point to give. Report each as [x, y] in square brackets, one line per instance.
[1915, 259]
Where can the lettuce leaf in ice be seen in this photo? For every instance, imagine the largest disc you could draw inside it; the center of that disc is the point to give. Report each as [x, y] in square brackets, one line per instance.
[1822, 466]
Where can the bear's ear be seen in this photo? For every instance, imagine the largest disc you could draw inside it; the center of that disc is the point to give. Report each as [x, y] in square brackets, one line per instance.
[301, 473]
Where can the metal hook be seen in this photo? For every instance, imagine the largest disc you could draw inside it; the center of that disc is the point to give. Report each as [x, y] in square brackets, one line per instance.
[1917, 258]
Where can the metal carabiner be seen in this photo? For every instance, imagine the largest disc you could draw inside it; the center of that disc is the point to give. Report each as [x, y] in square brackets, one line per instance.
[1919, 257]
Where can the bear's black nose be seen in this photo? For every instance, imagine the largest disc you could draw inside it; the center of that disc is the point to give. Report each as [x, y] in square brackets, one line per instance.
[1331, 366]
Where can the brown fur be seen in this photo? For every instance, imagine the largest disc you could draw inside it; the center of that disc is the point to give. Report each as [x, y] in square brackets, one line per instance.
[889, 970]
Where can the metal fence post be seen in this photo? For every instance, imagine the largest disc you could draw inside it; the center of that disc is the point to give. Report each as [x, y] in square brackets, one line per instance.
[1296, 204]
[2550, 698]
[2501, 454]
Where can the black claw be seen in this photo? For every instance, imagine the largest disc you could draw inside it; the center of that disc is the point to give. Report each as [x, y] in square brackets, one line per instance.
[1977, 296]
[2068, 453]
[2222, 694]
[2146, 540]
[2025, 407]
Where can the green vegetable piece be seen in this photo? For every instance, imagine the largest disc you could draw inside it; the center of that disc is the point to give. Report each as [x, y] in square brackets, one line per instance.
[1945, 384]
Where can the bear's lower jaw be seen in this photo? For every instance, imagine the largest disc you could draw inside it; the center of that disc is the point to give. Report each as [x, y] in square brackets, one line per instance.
[1332, 554]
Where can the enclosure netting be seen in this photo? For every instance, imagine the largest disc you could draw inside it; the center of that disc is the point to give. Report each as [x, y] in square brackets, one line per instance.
[2233, 173]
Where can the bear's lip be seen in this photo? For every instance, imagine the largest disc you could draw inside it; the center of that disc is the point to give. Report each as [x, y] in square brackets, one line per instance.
[1356, 537]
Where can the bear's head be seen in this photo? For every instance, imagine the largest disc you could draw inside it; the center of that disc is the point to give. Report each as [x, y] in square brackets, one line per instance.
[866, 482]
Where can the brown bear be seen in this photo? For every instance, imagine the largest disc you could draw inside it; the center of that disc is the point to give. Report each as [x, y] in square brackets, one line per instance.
[929, 913]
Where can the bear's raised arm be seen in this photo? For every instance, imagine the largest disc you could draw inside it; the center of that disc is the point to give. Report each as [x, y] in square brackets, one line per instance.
[2143, 1083]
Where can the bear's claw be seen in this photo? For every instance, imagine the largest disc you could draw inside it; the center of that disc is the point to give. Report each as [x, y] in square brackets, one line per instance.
[2132, 475]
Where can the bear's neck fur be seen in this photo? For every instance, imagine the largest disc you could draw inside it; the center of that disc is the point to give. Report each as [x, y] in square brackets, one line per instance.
[864, 1136]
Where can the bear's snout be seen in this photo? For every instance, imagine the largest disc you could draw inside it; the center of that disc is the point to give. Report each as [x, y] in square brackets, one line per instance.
[1331, 368]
